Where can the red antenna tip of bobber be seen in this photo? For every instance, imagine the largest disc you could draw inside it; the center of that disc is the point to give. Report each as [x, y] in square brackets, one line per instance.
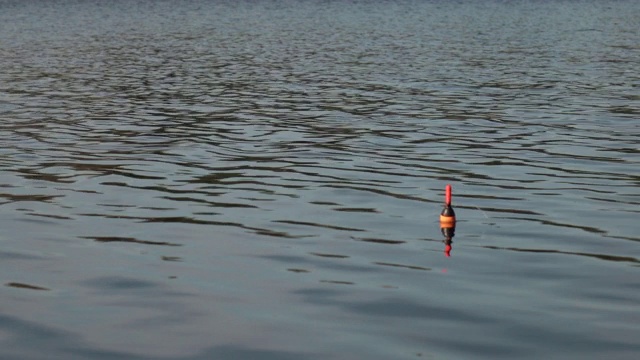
[447, 216]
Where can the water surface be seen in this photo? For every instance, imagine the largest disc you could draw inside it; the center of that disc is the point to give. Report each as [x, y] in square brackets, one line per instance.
[262, 180]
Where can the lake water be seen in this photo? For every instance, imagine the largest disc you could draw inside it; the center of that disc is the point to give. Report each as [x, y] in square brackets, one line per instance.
[263, 179]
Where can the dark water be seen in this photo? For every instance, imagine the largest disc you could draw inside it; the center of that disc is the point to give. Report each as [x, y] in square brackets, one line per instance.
[263, 179]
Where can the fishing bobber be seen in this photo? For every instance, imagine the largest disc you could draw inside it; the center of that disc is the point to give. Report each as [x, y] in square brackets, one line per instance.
[447, 216]
[448, 222]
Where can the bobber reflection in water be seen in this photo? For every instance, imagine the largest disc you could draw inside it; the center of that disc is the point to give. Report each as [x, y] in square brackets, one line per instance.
[448, 222]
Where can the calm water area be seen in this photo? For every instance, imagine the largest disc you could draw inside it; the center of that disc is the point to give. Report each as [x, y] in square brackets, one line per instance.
[263, 179]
